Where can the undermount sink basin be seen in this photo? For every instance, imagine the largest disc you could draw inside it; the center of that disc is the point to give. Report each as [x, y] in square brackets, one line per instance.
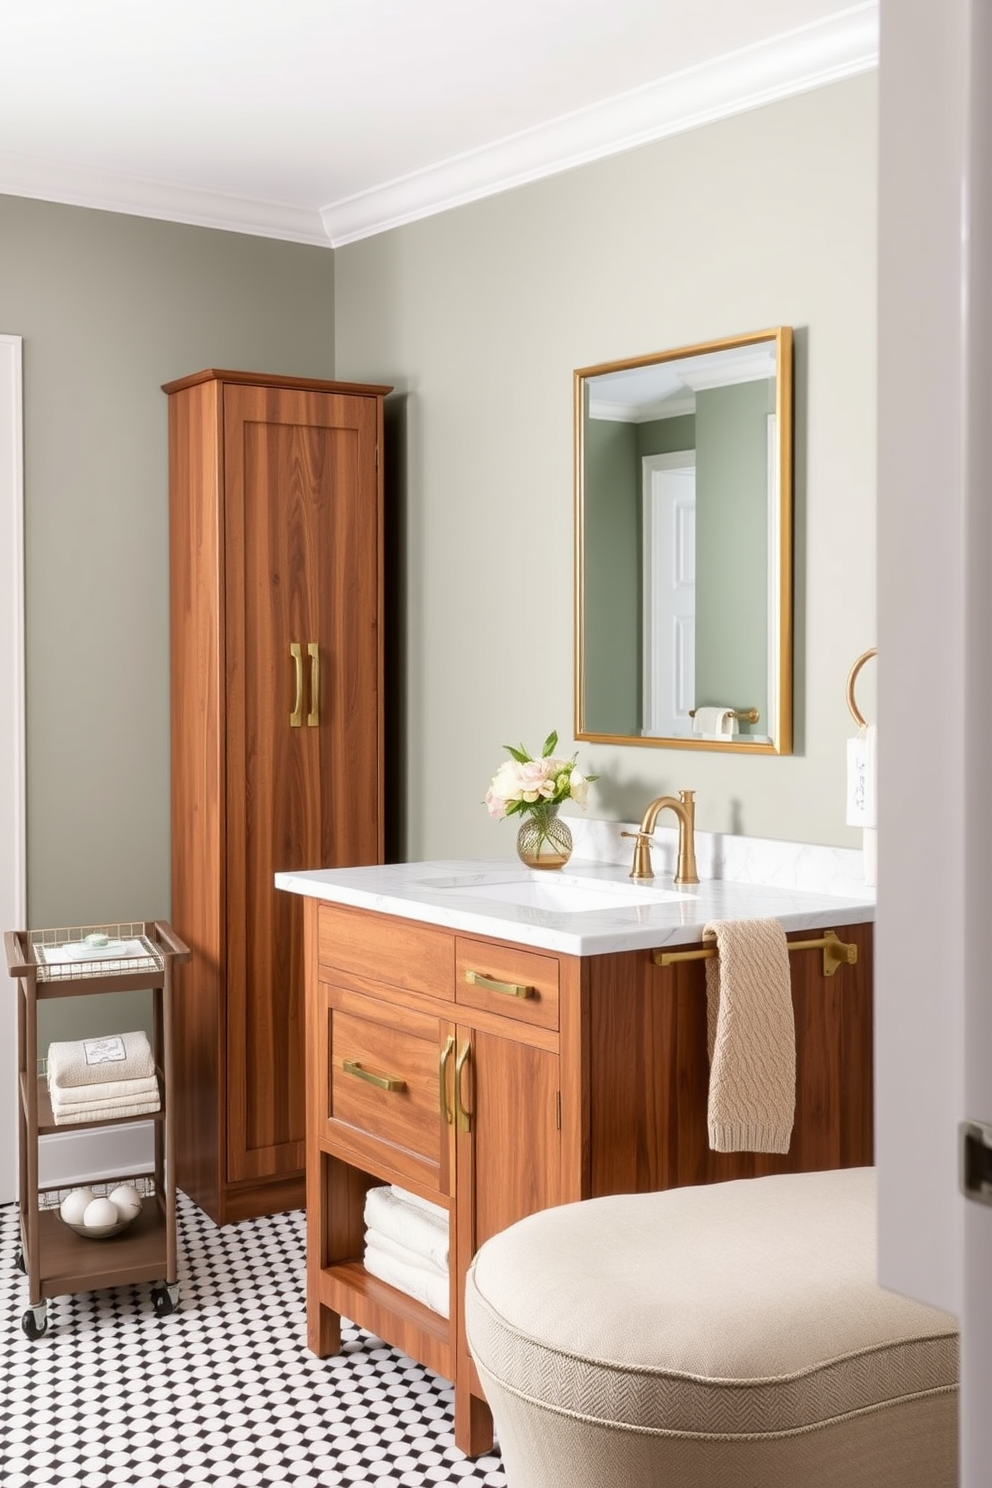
[560, 893]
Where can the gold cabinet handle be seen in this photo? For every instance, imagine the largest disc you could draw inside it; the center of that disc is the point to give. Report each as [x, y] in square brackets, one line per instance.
[313, 717]
[509, 989]
[463, 1116]
[296, 717]
[381, 1082]
[442, 1079]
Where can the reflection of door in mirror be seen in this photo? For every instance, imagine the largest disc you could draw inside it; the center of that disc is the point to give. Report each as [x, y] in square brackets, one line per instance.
[669, 531]
[683, 505]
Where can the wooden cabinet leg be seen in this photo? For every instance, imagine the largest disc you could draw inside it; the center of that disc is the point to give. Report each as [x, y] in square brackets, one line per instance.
[473, 1423]
[323, 1329]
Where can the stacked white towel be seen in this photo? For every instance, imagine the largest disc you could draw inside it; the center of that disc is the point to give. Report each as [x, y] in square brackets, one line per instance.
[406, 1244]
[102, 1079]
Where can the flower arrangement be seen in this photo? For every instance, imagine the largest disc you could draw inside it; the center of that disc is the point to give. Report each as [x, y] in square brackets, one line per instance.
[523, 783]
[534, 789]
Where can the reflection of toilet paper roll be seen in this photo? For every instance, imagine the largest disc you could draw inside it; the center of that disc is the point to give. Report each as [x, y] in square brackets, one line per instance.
[719, 721]
[870, 855]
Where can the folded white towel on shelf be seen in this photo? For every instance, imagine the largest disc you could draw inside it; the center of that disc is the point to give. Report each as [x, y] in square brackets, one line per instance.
[122, 1095]
[401, 1253]
[438, 1210]
[119, 1112]
[426, 1284]
[97, 1061]
[110, 1090]
[410, 1224]
[721, 723]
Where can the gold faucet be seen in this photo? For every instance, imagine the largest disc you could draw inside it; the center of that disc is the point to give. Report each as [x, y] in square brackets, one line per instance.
[685, 810]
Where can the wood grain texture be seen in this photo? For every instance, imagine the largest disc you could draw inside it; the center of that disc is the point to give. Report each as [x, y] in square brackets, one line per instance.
[512, 967]
[276, 536]
[199, 874]
[393, 952]
[611, 1100]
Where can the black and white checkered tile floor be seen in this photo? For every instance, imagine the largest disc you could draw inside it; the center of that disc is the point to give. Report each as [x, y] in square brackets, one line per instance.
[224, 1393]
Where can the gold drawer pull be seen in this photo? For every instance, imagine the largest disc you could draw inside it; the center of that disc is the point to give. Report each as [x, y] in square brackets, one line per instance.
[382, 1082]
[462, 1113]
[509, 989]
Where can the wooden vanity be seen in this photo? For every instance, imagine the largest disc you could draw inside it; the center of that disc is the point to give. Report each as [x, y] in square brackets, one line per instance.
[497, 1078]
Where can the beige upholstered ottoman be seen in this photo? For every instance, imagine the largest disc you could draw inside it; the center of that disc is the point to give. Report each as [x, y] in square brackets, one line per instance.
[726, 1336]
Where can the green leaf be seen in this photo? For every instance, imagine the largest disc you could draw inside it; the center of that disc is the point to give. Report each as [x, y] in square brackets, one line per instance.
[520, 755]
[549, 745]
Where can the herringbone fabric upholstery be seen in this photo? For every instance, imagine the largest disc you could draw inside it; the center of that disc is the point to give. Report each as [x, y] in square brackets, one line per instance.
[705, 1332]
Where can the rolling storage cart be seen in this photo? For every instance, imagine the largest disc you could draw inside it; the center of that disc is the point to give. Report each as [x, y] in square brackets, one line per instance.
[56, 1260]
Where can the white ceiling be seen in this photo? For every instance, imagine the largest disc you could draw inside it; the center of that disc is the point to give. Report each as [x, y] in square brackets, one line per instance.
[326, 120]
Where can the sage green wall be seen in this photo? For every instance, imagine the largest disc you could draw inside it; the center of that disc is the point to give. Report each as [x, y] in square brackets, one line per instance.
[732, 547]
[480, 315]
[612, 578]
[110, 307]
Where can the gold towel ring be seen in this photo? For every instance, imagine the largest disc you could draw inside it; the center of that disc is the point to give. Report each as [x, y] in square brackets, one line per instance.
[852, 677]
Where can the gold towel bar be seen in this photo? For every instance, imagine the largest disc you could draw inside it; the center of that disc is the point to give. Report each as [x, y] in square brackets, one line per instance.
[749, 715]
[835, 953]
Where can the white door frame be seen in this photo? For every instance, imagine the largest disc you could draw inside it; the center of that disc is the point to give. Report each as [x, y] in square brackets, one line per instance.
[13, 908]
[933, 997]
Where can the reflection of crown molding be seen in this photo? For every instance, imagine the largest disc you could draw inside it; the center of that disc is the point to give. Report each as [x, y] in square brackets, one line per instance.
[640, 413]
[809, 57]
[109, 192]
[709, 373]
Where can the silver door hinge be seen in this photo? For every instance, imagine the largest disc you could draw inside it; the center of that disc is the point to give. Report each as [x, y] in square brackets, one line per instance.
[976, 1161]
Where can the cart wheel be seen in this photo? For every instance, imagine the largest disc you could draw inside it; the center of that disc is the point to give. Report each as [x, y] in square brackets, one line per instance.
[34, 1323]
[165, 1299]
[19, 1262]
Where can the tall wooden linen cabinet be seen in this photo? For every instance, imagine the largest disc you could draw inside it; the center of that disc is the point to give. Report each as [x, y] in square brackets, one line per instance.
[277, 744]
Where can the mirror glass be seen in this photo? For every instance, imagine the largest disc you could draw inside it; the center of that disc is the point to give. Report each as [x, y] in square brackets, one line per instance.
[683, 476]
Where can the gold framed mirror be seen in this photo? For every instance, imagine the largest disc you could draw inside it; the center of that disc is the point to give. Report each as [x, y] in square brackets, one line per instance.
[683, 543]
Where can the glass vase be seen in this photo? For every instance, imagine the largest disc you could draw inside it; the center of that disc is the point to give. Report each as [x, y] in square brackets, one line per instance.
[544, 840]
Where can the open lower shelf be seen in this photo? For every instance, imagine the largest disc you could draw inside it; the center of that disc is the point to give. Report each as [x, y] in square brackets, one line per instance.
[348, 1289]
[71, 1263]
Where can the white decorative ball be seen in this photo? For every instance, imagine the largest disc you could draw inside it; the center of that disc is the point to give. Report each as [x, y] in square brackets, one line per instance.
[100, 1212]
[127, 1200]
[75, 1204]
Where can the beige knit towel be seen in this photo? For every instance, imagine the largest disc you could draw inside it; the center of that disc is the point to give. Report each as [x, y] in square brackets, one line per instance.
[751, 1036]
[99, 1061]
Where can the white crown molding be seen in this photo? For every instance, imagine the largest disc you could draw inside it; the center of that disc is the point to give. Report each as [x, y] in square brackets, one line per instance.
[795, 62]
[108, 192]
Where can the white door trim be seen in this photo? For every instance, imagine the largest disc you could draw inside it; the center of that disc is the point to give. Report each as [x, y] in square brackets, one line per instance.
[13, 907]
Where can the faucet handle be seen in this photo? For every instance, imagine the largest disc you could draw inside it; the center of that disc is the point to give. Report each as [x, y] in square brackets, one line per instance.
[642, 854]
[643, 836]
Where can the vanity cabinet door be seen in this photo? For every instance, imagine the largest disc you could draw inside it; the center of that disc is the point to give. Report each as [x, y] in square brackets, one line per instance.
[507, 1165]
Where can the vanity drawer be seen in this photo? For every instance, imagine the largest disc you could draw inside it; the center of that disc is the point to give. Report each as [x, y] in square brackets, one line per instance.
[401, 953]
[383, 1094]
[506, 980]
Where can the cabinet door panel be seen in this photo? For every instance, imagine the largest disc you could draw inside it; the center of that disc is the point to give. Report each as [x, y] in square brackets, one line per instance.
[302, 544]
[511, 1090]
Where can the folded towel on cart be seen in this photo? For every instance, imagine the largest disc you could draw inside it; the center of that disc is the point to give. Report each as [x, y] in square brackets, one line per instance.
[94, 1097]
[98, 1061]
[119, 1112]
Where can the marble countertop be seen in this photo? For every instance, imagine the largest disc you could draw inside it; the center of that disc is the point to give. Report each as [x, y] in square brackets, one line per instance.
[463, 895]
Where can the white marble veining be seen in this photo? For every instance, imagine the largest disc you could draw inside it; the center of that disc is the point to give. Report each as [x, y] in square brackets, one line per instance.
[489, 896]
